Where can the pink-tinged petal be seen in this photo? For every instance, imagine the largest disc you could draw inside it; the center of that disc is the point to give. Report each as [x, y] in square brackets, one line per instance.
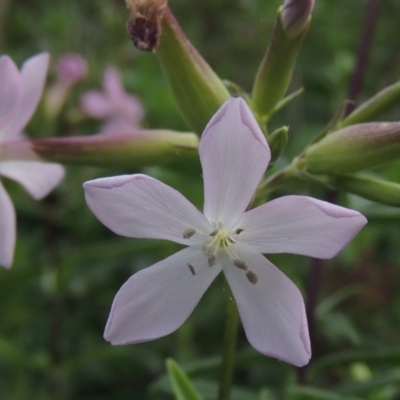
[33, 73]
[117, 126]
[96, 105]
[37, 177]
[112, 84]
[300, 225]
[157, 300]
[10, 90]
[7, 229]
[272, 309]
[125, 106]
[142, 207]
[234, 155]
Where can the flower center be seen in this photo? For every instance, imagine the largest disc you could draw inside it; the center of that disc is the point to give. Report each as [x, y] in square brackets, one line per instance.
[221, 240]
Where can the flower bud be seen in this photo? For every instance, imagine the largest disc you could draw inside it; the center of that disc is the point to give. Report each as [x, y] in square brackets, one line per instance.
[382, 102]
[355, 148]
[277, 142]
[296, 15]
[117, 150]
[197, 89]
[71, 68]
[369, 188]
[276, 69]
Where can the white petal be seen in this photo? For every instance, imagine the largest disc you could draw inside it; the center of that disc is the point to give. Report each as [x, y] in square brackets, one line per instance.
[234, 156]
[300, 225]
[37, 177]
[34, 73]
[7, 229]
[142, 207]
[10, 90]
[272, 310]
[157, 300]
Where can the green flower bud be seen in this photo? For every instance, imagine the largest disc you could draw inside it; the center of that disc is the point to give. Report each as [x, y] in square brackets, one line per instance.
[277, 142]
[375, 107]
[125, 150]
[197, 89]
[276, 69]
[372, 189]
[355, 148]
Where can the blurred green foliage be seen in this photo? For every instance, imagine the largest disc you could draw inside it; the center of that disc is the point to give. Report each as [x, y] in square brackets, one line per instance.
[68, 267]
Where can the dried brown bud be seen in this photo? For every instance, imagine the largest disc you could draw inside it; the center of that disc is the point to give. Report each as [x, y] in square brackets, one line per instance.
[144, 25]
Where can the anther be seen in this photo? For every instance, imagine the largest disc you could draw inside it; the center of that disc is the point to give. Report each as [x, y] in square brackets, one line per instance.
[214, 232]
[188, 233]
[190, 266]
[239, 230]
[252, 277]
[212, 260]
[231, 239]
[241, 265]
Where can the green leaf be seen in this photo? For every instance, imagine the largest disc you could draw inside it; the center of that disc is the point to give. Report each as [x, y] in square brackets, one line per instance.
[183, 388]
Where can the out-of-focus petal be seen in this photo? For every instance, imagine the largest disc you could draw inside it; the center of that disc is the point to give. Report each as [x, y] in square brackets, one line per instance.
[96, 105]
[272, 309]
[7, 229]
[142, 207]
[234, 155]
[157, 300]
[37, 177]
[34, 73]
[300, 225]
[10, 90]
[112, 84]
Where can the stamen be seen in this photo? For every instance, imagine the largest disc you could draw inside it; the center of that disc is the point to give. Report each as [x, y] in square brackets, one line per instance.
[214, 232]
[241, 265]
[231, 239]
[212, 260]
[252, 277]
[190, 266]
[189, 233]
[239, 230]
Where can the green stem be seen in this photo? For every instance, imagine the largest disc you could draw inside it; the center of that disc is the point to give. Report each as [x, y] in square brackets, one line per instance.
[228, 354]
[276, 180]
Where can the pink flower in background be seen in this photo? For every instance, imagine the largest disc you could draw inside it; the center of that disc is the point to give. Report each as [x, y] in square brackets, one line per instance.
[71, 68]
[121, 111]
[157, 300]
[20, 92]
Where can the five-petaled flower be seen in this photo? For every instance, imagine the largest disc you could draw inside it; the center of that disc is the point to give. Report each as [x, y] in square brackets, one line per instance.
[20, 93]
[121, 111]
[157, 300]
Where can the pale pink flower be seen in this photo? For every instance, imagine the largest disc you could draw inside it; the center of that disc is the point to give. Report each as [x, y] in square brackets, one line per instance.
[157, 300]
[120, 110]
[71, 68]
[20, 92]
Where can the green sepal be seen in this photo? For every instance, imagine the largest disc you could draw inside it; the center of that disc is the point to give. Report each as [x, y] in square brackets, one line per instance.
[131, 150]
[378, 190]
[277, 142]
[181, 385]
[276, 69]
[197, 89]
[352, 149]
[382, 102]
